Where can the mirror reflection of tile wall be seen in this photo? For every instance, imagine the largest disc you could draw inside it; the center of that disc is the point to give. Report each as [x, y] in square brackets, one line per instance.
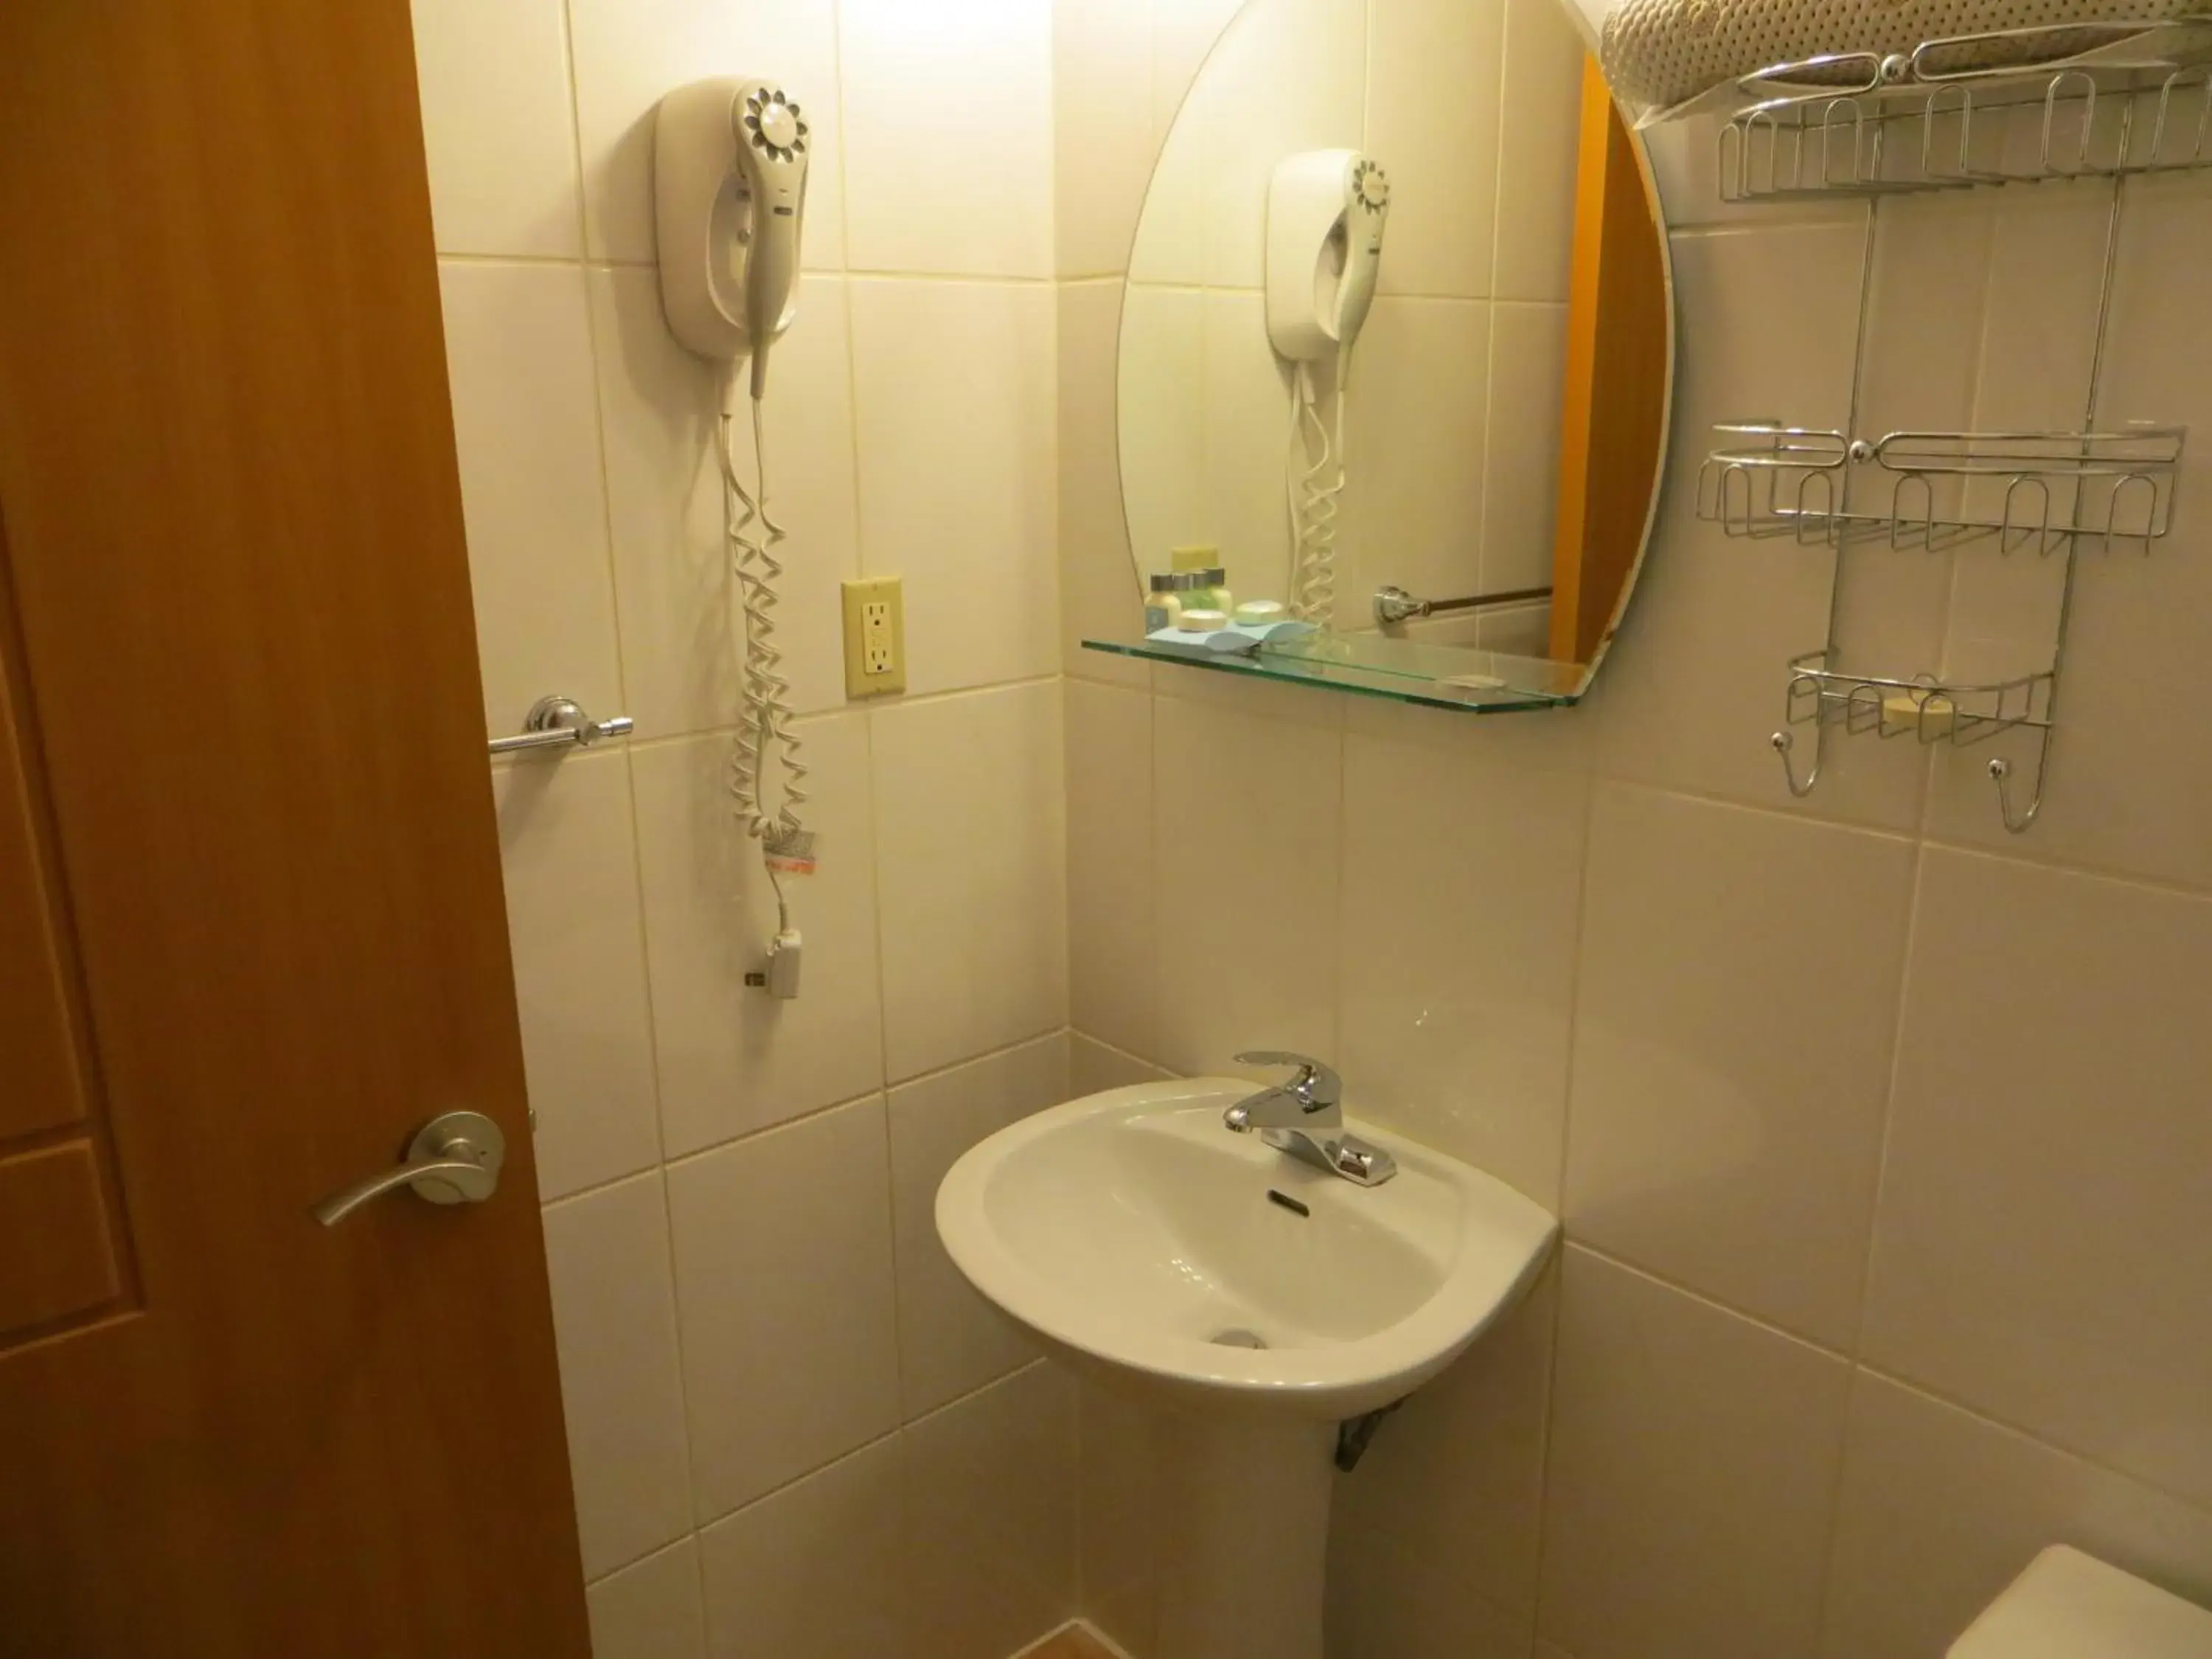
[1474, 111]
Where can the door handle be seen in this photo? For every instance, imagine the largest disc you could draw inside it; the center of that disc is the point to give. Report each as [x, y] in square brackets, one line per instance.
[454, 1159]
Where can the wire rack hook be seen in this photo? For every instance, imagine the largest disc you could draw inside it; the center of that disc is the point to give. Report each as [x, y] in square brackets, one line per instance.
[1783, 742]
[2017, 823]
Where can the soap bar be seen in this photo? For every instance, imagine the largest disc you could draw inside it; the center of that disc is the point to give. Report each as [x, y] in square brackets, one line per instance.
[1933, 716]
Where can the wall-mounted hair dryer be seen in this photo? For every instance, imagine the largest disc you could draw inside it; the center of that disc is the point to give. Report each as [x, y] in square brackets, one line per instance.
[1325, 211]
[729, 192]
[729, 196]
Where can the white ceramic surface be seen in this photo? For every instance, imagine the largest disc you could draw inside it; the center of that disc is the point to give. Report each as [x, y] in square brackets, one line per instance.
[1130, 1229]
[2067, 1603]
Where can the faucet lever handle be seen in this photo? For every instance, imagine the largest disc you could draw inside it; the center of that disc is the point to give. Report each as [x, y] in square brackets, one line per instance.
[1317, 1083]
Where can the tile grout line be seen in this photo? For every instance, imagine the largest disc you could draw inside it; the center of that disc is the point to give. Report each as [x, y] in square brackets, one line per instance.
[1777, 809]
[587, 262]
[1335, 961]
[1996, 852]
[1832, 1533]
[1114, 1049]
[1067, 826]
[867, 712]
[679, 1159]
[909, 699]
[2194, 1504]
[1852, 1385]
[614, 586]
[1548, 1442]
[1497, 149]
[678, 1542]
[1895, 1379]
[1383, 296]
[966, 278]
[898, 1431]
[2080, 870]
[1706, 1298]
[1918, 829]
[1984, 307]
[595, 346]
[1549, 1432]
[1903, 1002]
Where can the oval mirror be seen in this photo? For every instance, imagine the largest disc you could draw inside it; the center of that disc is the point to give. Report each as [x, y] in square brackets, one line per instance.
[1396, 349]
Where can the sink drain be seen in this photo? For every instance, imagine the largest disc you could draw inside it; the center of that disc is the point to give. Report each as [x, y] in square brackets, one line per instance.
[1238, 1339]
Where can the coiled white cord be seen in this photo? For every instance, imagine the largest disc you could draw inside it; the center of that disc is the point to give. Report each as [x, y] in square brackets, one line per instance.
[764, 735]
[1313, 496]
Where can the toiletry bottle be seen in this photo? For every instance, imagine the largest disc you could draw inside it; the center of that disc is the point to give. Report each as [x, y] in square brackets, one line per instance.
[1203, 560]
[1171, 593]
[1162, 604]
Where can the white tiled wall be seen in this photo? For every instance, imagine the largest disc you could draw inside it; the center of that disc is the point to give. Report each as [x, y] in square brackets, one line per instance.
[1880, 1135]
[1877, 1133]
[796, 1435]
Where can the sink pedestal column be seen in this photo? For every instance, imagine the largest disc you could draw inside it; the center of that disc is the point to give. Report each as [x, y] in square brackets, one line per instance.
[1244, 1541]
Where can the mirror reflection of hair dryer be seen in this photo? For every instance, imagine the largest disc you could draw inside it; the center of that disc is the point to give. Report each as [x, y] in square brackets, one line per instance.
[1327, 209]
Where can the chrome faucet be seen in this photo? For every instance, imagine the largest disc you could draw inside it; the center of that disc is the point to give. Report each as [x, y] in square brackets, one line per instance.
[1304, 1117]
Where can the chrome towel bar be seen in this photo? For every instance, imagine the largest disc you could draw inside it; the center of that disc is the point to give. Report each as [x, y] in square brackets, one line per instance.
[1394, 605]
[559, 724]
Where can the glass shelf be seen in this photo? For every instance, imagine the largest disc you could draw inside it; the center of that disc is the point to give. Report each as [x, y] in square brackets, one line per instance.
[1374, 666]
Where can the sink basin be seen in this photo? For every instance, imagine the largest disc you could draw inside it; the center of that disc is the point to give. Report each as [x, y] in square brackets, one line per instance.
[1138, 1238]
[1259, 1300]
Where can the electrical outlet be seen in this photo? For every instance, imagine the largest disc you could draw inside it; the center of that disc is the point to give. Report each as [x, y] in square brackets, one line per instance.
[875, 637]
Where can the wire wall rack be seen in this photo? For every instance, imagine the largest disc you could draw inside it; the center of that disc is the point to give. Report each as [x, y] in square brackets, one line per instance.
[2001, 107]
[2100, 104]
[1923, 707]
[2035, 492]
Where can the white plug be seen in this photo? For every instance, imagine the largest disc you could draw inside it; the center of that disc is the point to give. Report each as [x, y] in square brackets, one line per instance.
[783, 960]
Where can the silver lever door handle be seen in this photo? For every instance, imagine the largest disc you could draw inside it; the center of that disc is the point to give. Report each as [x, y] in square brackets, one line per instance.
[454, 1159]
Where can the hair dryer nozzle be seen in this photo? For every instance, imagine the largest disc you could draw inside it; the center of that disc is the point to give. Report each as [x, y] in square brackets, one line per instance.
[773, 149]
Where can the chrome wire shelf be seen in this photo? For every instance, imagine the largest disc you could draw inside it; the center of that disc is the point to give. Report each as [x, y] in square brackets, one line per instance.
[1922, 707]
[2106, 100]
[2087, 100]
[2037, 492]
[1930, 710]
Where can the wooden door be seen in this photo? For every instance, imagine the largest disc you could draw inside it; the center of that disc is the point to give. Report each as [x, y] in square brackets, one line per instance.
[251, 932]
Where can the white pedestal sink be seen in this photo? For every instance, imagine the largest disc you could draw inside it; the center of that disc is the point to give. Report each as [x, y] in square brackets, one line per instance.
[1133, 1235]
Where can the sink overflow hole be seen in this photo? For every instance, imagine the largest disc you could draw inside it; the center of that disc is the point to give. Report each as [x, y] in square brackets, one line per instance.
[1239, 1339]
[1287, 1202]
